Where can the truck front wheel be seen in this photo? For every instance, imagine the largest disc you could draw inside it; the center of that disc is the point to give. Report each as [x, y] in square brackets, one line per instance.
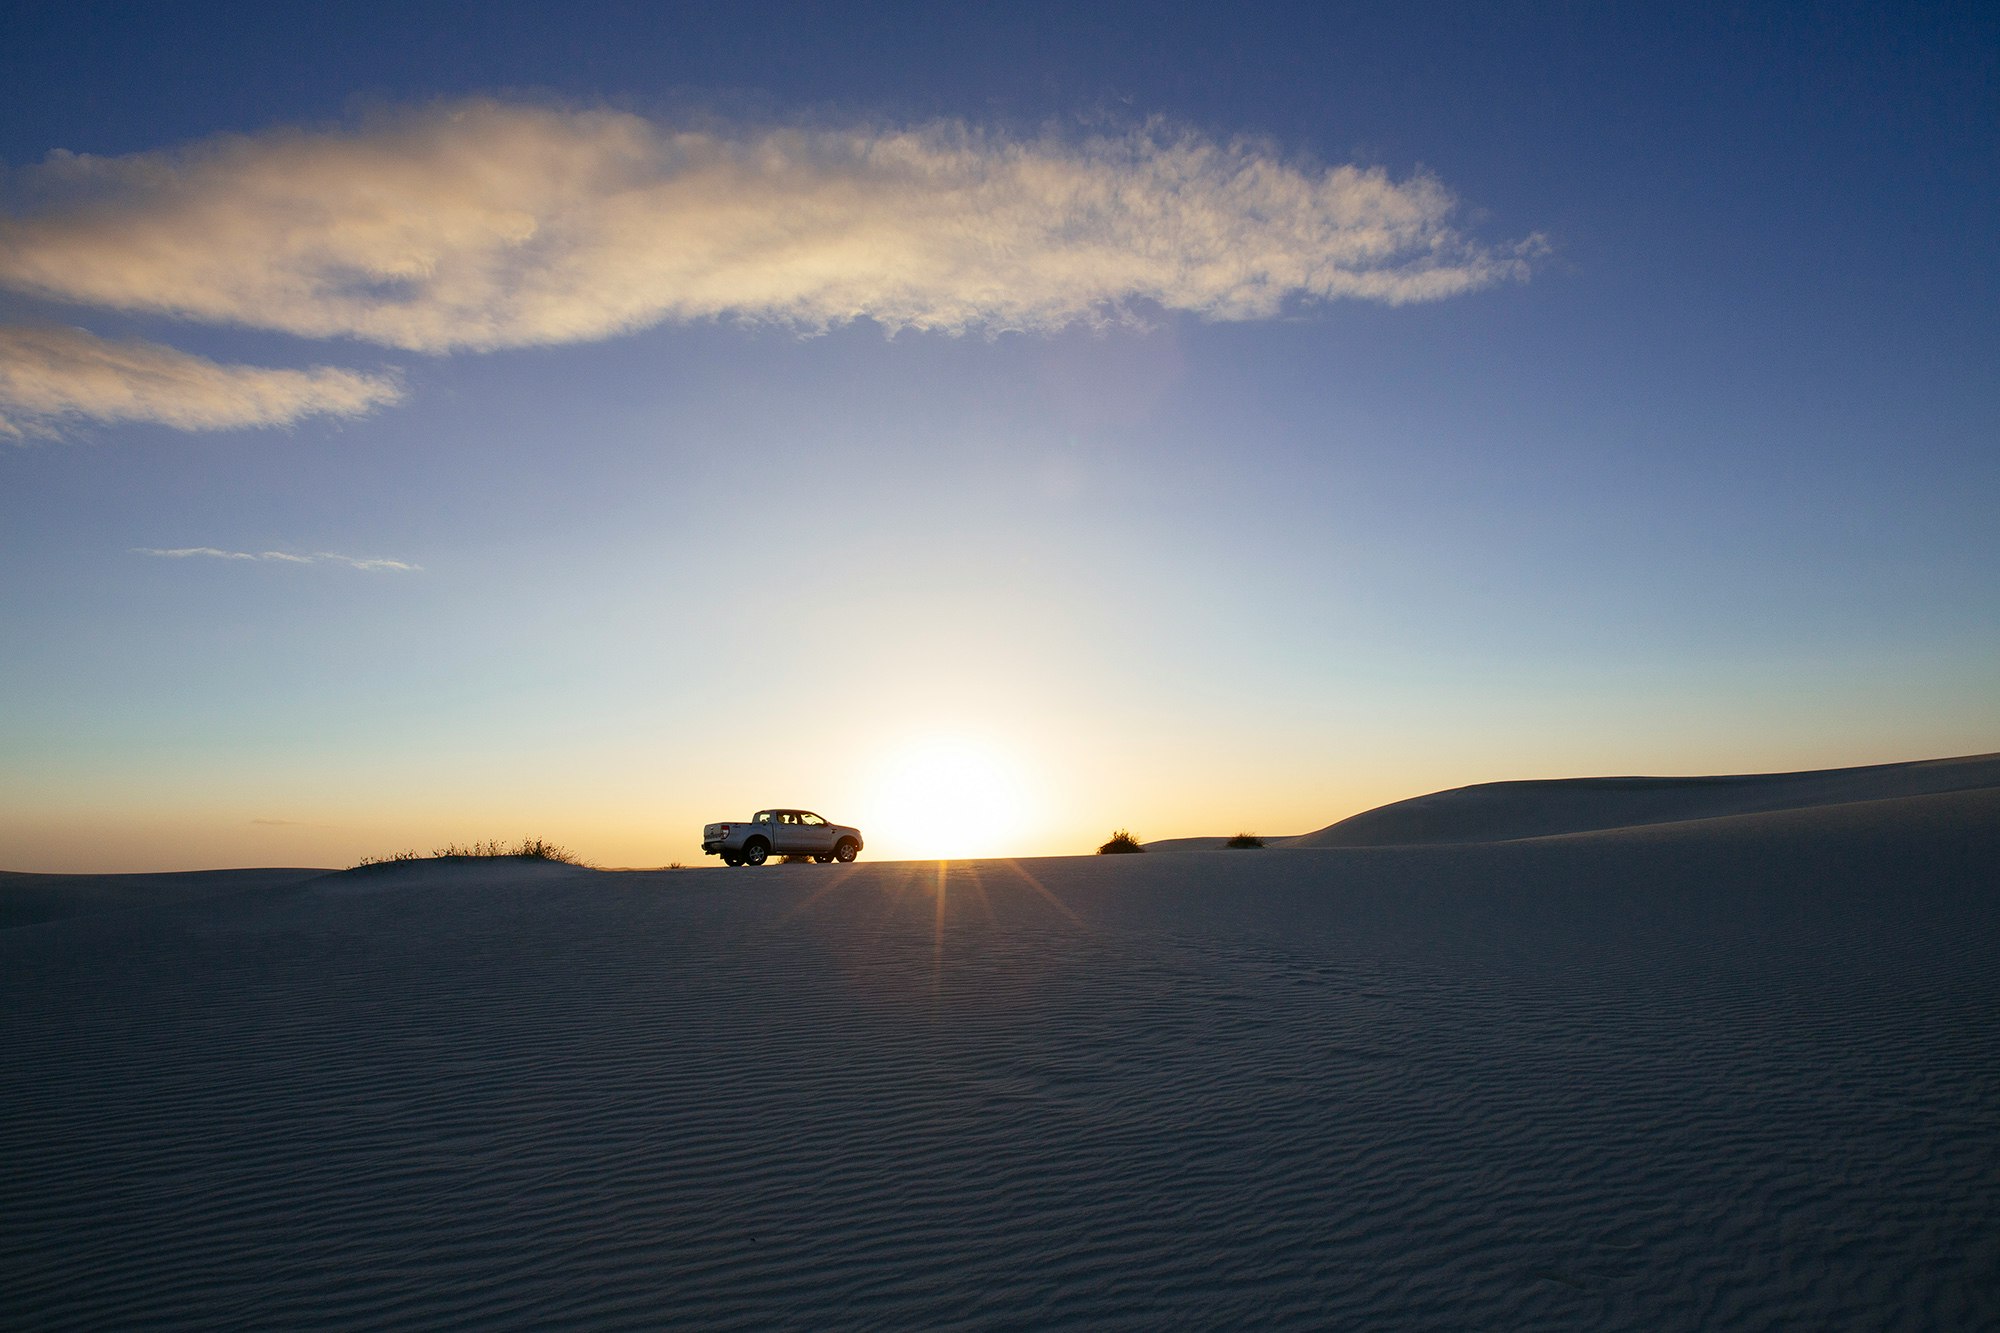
[847, 850]
[755, 850]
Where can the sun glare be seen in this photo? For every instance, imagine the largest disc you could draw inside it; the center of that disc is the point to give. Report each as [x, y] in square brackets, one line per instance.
[951, 800]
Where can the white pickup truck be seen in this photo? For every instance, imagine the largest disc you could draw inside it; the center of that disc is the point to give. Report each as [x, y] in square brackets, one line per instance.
[771, 833]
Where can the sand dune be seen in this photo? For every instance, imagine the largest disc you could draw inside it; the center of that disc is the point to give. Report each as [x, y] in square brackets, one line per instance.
[1504, 811]
[432, 872]
[1732, 1072]
[1215, 844]
[28, 898]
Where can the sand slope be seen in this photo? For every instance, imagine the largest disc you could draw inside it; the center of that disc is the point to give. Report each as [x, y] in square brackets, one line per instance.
[27, 898]
[1503, 811]
[1739, 1072]
[1215, 844]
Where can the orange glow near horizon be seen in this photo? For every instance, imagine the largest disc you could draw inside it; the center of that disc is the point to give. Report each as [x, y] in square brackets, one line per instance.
[1016, 785]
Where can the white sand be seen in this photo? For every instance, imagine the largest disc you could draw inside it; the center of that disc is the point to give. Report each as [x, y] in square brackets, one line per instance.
[1736, 1071]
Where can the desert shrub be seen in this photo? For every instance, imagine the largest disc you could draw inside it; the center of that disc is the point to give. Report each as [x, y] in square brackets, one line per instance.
[1121, 841]
[1244, 841]
[795, 859]
[536, 849]
[489, 849]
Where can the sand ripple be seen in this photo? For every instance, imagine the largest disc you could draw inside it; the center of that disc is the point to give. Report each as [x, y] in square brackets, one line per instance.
[1625, 1083]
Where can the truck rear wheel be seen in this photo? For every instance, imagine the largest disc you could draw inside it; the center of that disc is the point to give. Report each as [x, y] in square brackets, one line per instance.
[755, 851]
[847, 850]
[731, 859]
[824, 858]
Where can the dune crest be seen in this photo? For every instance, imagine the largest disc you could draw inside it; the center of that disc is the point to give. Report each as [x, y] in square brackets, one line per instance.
[1511, 811]
[444, 871]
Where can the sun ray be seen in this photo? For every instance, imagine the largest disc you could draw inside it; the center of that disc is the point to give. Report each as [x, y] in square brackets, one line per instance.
[912, 873]
[979, 887]
[1042, 889]
[937, 937]
[840, 877]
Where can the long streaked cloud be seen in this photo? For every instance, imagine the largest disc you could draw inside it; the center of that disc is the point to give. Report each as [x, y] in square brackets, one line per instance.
[50, 376]
[279, 557]
[483, 224]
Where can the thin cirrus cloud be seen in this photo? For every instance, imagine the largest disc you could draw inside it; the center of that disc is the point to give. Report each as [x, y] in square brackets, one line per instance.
[52, 375]
[481, 224]
[277, 557]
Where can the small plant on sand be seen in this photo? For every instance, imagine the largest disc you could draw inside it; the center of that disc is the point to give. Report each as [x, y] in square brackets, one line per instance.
[1243, 842]
[1121, 841]
[795, 859]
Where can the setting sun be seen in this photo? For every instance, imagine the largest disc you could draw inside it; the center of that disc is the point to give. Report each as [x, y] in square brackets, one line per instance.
[947, 799]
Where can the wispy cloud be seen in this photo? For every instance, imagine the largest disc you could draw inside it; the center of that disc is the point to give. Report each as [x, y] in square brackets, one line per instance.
[52, 375]
[483, 224]
[280, 557]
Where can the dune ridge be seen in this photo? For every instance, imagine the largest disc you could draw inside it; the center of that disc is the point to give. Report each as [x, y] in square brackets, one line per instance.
[28, 898]
[1511, 811]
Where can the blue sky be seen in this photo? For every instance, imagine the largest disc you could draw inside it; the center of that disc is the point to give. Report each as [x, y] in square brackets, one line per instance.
[1689, 467]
